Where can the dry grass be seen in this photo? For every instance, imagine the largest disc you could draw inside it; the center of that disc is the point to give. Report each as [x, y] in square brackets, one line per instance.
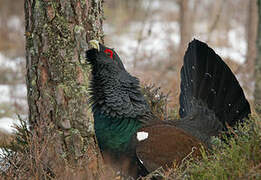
[239, 158]
[37, 155]
[5, 138]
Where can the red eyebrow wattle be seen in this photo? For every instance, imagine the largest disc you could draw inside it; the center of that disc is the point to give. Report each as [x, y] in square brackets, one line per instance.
[109, 51]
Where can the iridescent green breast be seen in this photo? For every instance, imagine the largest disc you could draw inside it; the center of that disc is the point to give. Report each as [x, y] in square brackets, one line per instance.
[114, 134]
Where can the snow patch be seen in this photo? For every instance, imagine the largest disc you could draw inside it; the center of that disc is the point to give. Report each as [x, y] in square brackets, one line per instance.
[13, 64]
[15, 23]
[160, 5]
[11, 94]
[7, 124]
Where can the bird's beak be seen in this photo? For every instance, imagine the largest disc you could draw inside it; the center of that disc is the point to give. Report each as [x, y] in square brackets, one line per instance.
[94, 44]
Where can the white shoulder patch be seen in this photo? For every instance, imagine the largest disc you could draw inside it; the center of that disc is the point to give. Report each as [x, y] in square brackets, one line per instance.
[142, 135]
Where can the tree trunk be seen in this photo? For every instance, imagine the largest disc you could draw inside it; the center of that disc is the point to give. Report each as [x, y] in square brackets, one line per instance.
[257, 93]
[57, 33]
[186, 26]
[215, 16]
[248, 69]
[251, 37]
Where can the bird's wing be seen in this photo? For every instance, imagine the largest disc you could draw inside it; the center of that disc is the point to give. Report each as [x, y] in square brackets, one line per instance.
[161, 145]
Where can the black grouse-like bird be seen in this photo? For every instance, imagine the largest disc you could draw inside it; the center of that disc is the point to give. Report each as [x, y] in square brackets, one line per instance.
[132, 140]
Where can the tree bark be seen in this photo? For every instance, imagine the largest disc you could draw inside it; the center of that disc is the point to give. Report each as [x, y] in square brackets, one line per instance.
[248, 69]
[57, 33]
[215, 16]
[257, 92]
[186, 26]
[251, 37]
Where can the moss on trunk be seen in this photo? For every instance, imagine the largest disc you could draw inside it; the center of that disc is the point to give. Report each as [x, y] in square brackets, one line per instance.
[57, 33]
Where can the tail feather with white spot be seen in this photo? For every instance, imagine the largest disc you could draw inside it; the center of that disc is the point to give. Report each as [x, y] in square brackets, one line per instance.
[206, 81]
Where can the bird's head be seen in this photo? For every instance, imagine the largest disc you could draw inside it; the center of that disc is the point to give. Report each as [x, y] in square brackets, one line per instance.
[101, 57]
[114, 92]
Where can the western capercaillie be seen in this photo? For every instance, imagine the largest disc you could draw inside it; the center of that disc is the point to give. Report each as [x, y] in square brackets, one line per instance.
[132, 139]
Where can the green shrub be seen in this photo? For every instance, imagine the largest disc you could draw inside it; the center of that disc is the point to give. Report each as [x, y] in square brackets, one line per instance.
[237, 158]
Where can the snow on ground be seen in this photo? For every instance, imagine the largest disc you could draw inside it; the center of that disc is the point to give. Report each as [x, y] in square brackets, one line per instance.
[155, 5]
[6, 62]
[154, 41]
[238, 46]
[11, 94]
[7, 124]
[15, 23]
[159, 33]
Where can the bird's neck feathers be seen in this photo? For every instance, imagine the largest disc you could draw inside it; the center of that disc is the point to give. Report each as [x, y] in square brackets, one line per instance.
[117, 95]
[118, 106]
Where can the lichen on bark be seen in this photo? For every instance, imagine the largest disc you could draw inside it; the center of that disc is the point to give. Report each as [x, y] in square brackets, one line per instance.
[57, 33]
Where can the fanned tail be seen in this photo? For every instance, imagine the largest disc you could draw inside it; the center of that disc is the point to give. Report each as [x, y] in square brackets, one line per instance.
[207, 81]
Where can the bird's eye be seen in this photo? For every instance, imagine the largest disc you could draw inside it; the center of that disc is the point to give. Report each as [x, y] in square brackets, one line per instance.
[109, 52]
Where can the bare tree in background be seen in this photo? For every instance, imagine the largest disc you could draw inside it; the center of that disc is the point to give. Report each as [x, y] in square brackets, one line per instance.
[186, 28]
[257, 93]
[215, 16]
[186, 25]
[57, 33]
[11, 37]
[252, 21]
